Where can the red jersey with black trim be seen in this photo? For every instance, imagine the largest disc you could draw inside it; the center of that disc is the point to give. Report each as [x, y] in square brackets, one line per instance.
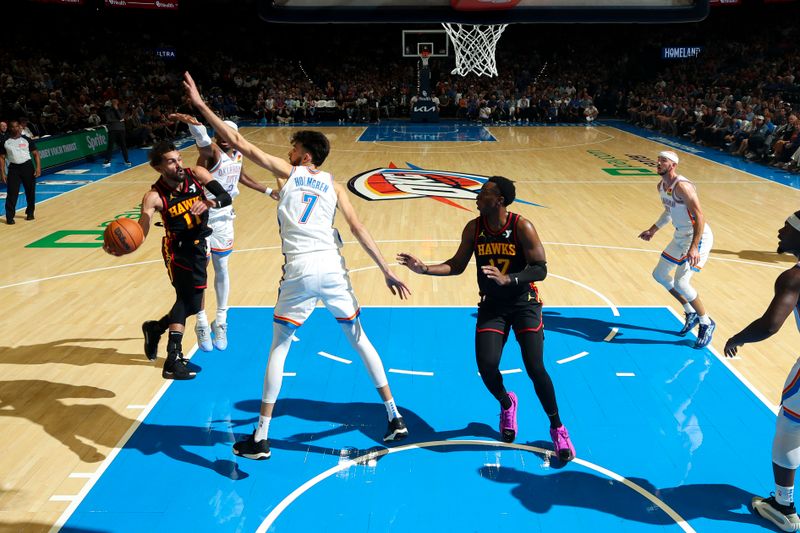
[186, 232]
[501, 249]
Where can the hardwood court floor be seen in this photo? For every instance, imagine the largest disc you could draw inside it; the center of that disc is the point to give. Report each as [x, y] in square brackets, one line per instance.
[73, 375]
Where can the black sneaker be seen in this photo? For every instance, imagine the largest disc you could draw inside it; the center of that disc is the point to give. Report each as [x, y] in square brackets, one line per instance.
[783, 516]
[175, 368]
[397, 430]
[152, 334]
[250, 449]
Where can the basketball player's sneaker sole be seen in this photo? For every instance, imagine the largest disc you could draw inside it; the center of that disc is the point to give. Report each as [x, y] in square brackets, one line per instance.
[508, 420]
[152, 334]
[204, 338]
[783, 516]
[220, 336]
[250, 449]
[397, 430]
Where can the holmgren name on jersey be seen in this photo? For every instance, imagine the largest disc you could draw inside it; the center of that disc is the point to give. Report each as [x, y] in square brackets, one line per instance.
[310, 182]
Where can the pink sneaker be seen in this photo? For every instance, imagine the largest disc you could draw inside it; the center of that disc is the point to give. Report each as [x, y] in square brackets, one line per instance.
[562, 444]
[508, 420]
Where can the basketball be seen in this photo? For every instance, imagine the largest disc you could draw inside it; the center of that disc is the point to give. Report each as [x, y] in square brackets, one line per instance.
[123, 236]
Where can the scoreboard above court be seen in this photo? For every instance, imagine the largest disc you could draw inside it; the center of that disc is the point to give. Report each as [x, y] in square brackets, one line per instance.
[482, 12]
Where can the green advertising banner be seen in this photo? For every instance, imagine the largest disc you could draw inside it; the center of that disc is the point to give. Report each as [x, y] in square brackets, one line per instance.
[76, 145]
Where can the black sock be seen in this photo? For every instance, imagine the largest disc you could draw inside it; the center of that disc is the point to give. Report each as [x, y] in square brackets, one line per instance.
[555, 420]
[505, 402]
[174, 345]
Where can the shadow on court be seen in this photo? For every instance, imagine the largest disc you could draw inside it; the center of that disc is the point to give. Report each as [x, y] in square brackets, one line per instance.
[594, 330]
[572, 488]
[70, 352]
[364, 419]
[41, 403]
[759, 256]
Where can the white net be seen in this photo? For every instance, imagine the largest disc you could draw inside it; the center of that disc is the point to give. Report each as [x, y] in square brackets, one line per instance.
[475, 47]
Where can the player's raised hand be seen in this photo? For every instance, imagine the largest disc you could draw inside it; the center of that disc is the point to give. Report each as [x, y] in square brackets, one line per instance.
[191, 89]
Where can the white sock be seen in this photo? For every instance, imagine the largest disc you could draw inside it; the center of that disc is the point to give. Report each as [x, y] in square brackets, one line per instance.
[391, 409]
[784, 495]
[202, 319]
[263, 428]
[688, 308]
[704, 319]
[222, 316]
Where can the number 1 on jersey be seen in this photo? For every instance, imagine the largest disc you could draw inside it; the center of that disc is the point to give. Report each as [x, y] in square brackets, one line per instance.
[311, 200]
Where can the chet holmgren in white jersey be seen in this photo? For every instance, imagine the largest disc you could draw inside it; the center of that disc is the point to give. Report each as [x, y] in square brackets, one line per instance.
[678, 212]
[306, 211]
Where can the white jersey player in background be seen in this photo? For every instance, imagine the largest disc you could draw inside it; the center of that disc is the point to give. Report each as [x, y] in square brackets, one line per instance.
[690, 246]
[226, 166]
[314, 269]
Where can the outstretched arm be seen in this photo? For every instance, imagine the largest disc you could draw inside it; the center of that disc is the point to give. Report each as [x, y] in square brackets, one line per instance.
[787, 291]
[208, 154]
[249, 182]
[453, 266]
[276, 165]
[364, 238]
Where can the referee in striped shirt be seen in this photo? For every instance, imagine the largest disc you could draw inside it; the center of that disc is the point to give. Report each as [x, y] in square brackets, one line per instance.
[21, 153]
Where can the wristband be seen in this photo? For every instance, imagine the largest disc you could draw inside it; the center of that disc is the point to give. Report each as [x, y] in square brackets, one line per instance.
[426, 269]
[268, 192]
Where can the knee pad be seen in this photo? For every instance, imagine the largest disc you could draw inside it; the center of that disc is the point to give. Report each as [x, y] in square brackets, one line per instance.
[786, 445]
[663, 274]
[683, 277]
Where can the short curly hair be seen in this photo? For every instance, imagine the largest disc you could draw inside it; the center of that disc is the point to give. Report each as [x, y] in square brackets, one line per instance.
[507, 189]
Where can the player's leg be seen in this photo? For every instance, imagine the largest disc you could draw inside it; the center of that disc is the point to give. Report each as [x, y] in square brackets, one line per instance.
[188, 300]
[201, 327]
[337, 294]
[295, 304]
[780, 509]
[672, 257]
[221, 245]
[491, 333]
[683, 276]
[529, 330]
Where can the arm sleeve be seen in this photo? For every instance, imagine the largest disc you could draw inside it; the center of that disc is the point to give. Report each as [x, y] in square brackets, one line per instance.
[533, 272]
[200, 135]
[223, 199]
[663, 220]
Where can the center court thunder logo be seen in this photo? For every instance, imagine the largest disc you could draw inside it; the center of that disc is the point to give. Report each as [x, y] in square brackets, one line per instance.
[394, 183]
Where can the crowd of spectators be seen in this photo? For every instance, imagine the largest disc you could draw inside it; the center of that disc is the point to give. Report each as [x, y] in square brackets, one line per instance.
[739, 95]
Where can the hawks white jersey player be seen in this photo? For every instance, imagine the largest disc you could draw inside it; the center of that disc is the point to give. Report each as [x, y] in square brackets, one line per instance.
[226, 172]
[681, 218]
[306, 210]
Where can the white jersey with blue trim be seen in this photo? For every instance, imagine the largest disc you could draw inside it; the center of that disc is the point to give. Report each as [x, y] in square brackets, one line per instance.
[227, 172]
[681, 217]
[306, 209]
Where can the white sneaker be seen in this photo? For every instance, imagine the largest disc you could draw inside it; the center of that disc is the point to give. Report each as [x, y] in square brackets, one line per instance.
[220, 336]
[204, 338]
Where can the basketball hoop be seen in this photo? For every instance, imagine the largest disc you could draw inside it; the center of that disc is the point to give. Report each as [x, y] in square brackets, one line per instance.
[425, 56]
[475, 47]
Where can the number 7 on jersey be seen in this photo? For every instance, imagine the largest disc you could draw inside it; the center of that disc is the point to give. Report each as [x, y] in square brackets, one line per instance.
[311, 200]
